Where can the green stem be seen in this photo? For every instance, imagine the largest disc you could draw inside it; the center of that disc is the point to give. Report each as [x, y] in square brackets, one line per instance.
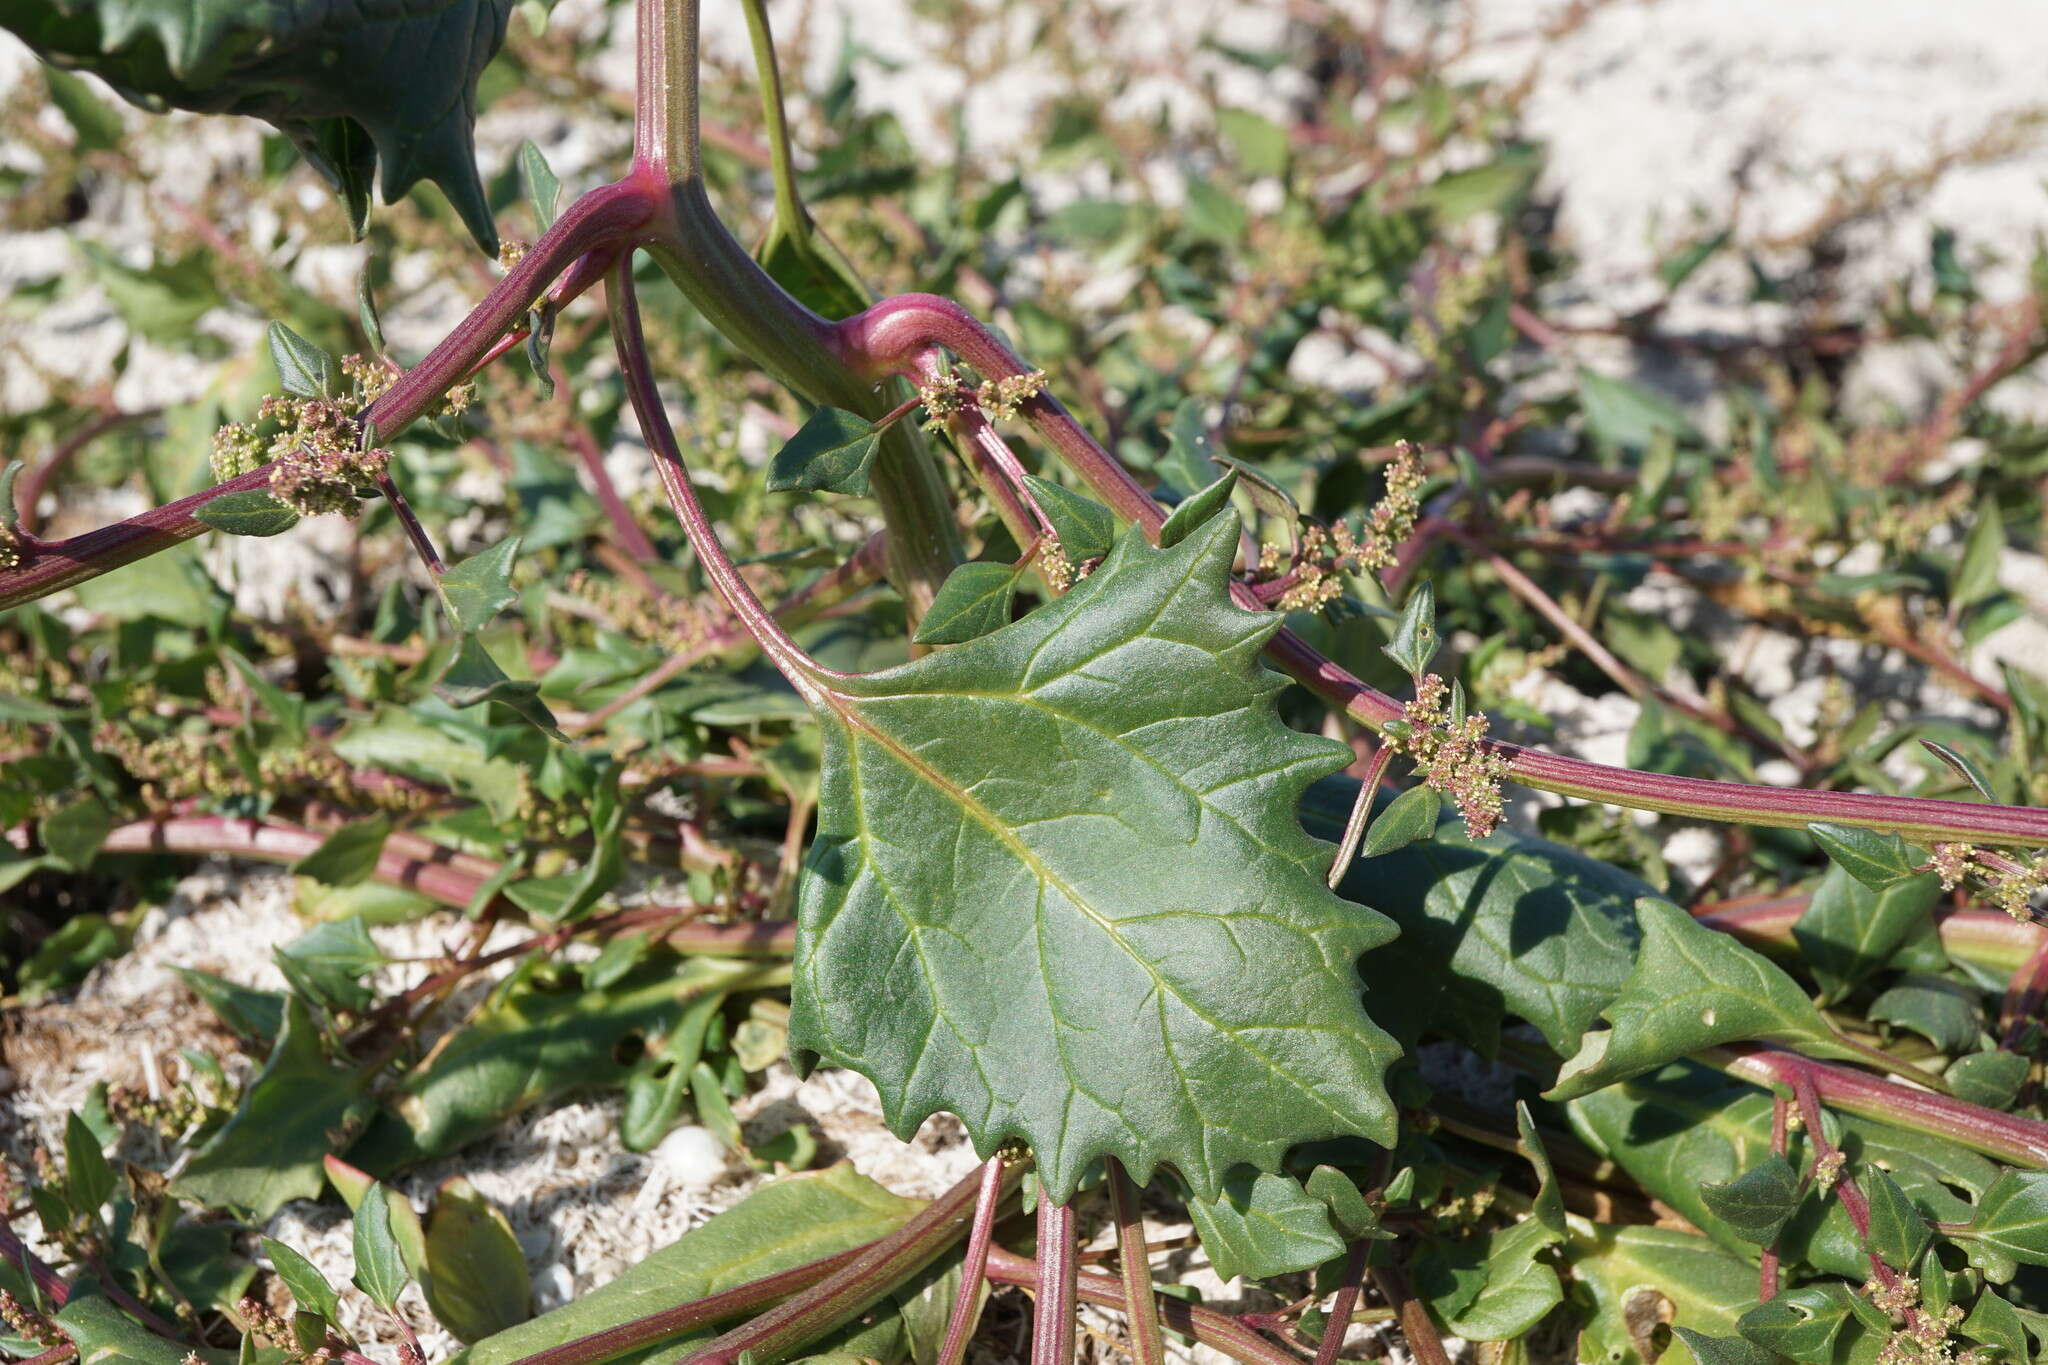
[789, 204]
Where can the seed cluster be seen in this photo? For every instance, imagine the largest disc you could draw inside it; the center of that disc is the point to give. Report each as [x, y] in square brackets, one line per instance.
[2009, 885]
[1448, 746]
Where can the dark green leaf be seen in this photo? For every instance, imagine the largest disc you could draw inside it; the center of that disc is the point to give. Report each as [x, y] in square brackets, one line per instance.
[1511, 924]
[1849, 931]
[88, 1178]
[1622, 415]
[2011, 1224]
[380, 1267]
[1897, 1231]
[834, 451]
[1991, 1079]
[1352, 1217]
[105, 1335]
[348, 855]
[63, 959]
[475, 1281]
[1758, 1203]
[348, 84]
[1264, 1225]
[72, 834]
[1938, 1010]
[1520, 1289]
[1414, 642]
[1708, 1350]
[1548, 1208]
[1189, 464]
[953, 928]
[326, 963]
[310, 1289]
[1801, 1323]
[974, 600]
[473, 677]
[1196, 509]
[298, 1109]
[251, 512]
[1410, 816]
[784, 1224]
[255, 1015]
[543, 190]
[1693, 988]
[480, 587]
[1877, 860]
[1994, 1322]
[305, 370]
[1085, 528]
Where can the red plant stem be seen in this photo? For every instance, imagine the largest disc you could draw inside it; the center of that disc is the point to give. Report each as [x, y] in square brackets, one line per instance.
[53, 1288]
[832, 586]
[2018, 1141]
[879, 1267]
[1339, 1321]
[605, 218]
[1053, 1320]
[891, 335]
[1781, 1145]
[35, 480]
[422, 543]
[973, 1269]
[1221, 1331]
[56, 1355]
[410, 866]
[1424, 1342]
[1990, 937]
[1846, 1189]
[1134, 1266]
[621, 517]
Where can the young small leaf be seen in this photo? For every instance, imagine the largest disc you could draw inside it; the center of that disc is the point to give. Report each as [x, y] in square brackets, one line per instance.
[305, 370]
[1410, 816]
[1693, 987]
[1196, 509]
[250, 512]
[1085, 527]
[380, 1266]
[1992, 1079]
[1937, 1010]
[543, 190]
[480, 587]
[1264, 1225]
[974, 600]
[1349, 1213]
[1963, 766]
[833, 452]
[1414, 642]
[72, 834]
[348, 855]
[1190, 462]
[1898, 1231]
[1878, 860]
[1548, 1208]
[310, 1289]
[1758, 1203]
[1994, 1322]
[89, 1180]
[366, 313]
[473, 677]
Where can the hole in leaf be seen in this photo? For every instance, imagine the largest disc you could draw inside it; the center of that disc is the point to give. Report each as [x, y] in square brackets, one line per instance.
[629, 1049]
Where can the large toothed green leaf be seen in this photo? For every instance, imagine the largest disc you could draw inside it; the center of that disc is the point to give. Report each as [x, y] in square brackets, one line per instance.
[352, 84]
[1059, 888]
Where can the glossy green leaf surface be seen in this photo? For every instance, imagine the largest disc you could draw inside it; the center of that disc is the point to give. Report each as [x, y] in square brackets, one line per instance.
[1085, 527]
[974, 600]
[1692, 988]
[1849, 930]
[1877, 859]
[1757, 1203]
[1059, 888]
[348, 855]
[2010, 1224]
[475, 1277]
[1633, 1281]
[251, 512]
[380, 1266]
[831, 452]
[351, 85]
[481, 586]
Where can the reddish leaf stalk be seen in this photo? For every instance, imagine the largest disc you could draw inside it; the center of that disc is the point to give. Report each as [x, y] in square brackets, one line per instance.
[1990, 937]
[891, 338]
[878, 1268]
[2018, 1141]
[1781, 1145]
[605, 217]
[1053, 1319]
[973, 1269]
[1206, 1325]
[1339, 1323]
[1134, 1265]
[1424, 1342]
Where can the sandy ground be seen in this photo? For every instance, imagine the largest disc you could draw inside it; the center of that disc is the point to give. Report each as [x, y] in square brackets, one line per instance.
[1659, 117]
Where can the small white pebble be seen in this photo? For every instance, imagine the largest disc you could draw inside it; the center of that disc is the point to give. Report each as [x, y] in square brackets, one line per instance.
[691, 1157]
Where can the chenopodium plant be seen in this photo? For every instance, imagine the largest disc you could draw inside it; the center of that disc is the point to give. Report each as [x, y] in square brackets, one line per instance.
[1060, 887]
